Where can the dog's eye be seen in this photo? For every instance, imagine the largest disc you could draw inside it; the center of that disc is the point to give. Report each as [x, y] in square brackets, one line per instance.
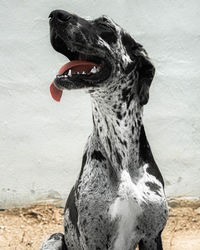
[108, 36]
[107, 33]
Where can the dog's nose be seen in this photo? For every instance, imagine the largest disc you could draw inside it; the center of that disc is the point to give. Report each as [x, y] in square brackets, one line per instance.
[60, 15]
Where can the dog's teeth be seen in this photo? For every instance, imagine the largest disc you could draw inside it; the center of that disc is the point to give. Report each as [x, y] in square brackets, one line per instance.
[94, 70]
[78, 73]
[70, 73]
[83, 73]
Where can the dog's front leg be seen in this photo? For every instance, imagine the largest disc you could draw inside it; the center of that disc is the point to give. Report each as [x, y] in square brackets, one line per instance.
[54, 242]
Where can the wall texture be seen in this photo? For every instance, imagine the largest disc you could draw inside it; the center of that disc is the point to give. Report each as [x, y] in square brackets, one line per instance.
[41, 141]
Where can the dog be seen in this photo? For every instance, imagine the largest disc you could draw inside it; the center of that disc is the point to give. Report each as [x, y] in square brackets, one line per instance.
[118, 201]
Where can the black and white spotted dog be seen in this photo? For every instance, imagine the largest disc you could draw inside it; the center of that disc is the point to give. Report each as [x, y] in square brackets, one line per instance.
[118, 201]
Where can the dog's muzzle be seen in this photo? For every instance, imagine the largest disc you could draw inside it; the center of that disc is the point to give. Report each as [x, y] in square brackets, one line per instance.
[75, 38]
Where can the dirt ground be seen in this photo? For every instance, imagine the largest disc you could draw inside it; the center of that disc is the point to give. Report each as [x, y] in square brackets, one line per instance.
[26, 228]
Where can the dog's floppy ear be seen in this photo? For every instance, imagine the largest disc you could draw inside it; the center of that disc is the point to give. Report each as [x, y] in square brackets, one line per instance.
[146, 72]
[144, 67]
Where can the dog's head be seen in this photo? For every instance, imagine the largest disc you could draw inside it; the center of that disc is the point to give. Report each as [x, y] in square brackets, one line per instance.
[100, 53]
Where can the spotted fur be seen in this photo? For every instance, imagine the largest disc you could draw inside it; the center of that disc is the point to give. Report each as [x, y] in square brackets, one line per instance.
[118, 201]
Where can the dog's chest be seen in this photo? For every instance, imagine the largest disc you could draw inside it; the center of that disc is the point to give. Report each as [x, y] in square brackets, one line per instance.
[136, 208]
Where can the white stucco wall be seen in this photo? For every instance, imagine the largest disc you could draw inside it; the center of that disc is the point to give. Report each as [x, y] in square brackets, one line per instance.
[41, 141]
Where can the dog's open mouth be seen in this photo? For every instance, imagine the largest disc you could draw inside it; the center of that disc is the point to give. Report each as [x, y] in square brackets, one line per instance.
[85, 69]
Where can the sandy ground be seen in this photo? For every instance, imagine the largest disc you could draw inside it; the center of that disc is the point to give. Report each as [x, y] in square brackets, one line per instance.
[26, 228]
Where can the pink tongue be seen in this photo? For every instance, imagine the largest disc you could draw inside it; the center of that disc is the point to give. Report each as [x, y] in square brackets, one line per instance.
[55, 92]
[75, 66]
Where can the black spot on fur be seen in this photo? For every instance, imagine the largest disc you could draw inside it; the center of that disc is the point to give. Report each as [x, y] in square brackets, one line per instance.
[109, 144]
[118, 157]
[138, 115]
[104, 166]
[125, 94]
[132, 129]
[125, 143]
[147, 157]
[93, 120]
[114, 130]
[153, 187]
[119, 116]
[97, 155]
[106, 123]
[115, 88]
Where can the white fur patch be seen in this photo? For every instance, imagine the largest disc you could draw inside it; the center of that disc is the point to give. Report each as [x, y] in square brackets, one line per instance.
[127, 209]
[126, 58]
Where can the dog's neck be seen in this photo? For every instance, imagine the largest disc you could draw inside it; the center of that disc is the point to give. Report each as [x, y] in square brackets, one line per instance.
[118, 128]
